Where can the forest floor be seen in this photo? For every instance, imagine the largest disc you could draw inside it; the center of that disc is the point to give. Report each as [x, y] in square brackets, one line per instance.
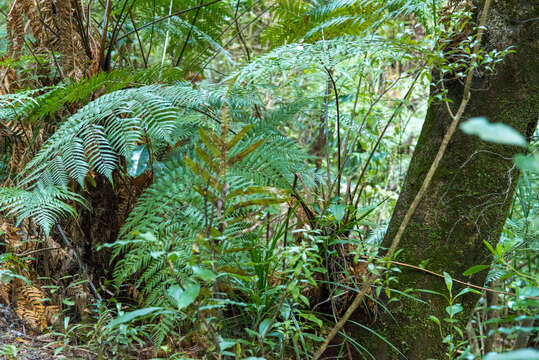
[17, 343]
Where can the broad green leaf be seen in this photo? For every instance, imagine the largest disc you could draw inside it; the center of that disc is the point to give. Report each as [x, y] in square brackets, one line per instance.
[313, 318]
[453, 309]
[493, 132]
[525, 354]
[240, 135]
[475, 269]
[499, 250]
[263, 327]
[249, 149]
[184, 297]
[206, 139]
[337, 211]
[6, 276]
[127, 317]
[363, 212]
[203, 274]
[226, 344]
[138, 162]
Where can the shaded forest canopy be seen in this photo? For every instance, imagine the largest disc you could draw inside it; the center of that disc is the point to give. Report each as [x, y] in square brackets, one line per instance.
[269, 179]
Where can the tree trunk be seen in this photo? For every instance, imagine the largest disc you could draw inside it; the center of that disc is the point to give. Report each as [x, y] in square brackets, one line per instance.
[471, 192]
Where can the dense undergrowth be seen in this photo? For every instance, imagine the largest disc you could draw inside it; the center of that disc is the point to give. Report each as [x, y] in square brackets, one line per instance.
[251, 176]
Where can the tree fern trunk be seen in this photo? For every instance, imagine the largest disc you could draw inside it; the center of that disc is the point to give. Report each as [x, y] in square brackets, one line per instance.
[471, 192]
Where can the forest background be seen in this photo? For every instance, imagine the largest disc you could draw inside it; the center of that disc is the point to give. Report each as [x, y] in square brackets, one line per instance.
[256, 179]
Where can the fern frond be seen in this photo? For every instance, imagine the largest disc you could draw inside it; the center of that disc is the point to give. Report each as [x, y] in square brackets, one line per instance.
[46, 204]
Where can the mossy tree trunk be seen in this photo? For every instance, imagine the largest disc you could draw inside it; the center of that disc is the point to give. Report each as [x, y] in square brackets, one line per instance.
[471, 192]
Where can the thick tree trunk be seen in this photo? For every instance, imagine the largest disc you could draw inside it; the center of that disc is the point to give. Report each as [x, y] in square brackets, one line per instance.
[471, 192]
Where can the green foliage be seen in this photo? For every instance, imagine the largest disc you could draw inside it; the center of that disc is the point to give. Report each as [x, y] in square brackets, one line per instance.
[216, 251]
[322, 19]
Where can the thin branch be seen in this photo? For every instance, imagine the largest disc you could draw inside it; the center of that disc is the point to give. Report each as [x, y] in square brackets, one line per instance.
[189, 34]
[339, 174]
[242, 40]
[139, 41]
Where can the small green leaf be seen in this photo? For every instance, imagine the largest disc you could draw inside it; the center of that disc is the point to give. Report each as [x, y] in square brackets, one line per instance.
[475, 269]
[138, 162]
[68, 302]
[448, 281]
[226, 344]
[493, 132]
[467, 290]
[529, 163]
[487, 244]
[453, 309]
[263, 327]
[132, 316]
[184, 297]
[337, 211]
[313, 337]
[435, 319]
[203, 274]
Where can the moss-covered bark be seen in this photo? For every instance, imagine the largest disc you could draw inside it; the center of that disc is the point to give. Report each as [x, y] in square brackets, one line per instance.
[470, 194]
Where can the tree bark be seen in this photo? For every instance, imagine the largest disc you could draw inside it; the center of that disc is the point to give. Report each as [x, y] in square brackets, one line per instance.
[470, 194]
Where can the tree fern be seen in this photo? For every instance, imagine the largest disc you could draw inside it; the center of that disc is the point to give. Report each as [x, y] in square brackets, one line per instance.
[176, 212]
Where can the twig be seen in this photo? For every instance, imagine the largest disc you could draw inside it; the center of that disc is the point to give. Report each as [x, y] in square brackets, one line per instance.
[26, 253]
[139, 41]
[339, 174]
[100, 60]
[188, 37]
[326, 130]
[242, 40]
[426, 182]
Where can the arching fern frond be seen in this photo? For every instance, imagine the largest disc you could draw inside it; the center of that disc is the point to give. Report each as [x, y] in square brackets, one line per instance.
[46, 204]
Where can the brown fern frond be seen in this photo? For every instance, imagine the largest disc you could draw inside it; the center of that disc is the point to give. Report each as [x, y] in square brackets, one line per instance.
[30, 306]
[15, 28]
